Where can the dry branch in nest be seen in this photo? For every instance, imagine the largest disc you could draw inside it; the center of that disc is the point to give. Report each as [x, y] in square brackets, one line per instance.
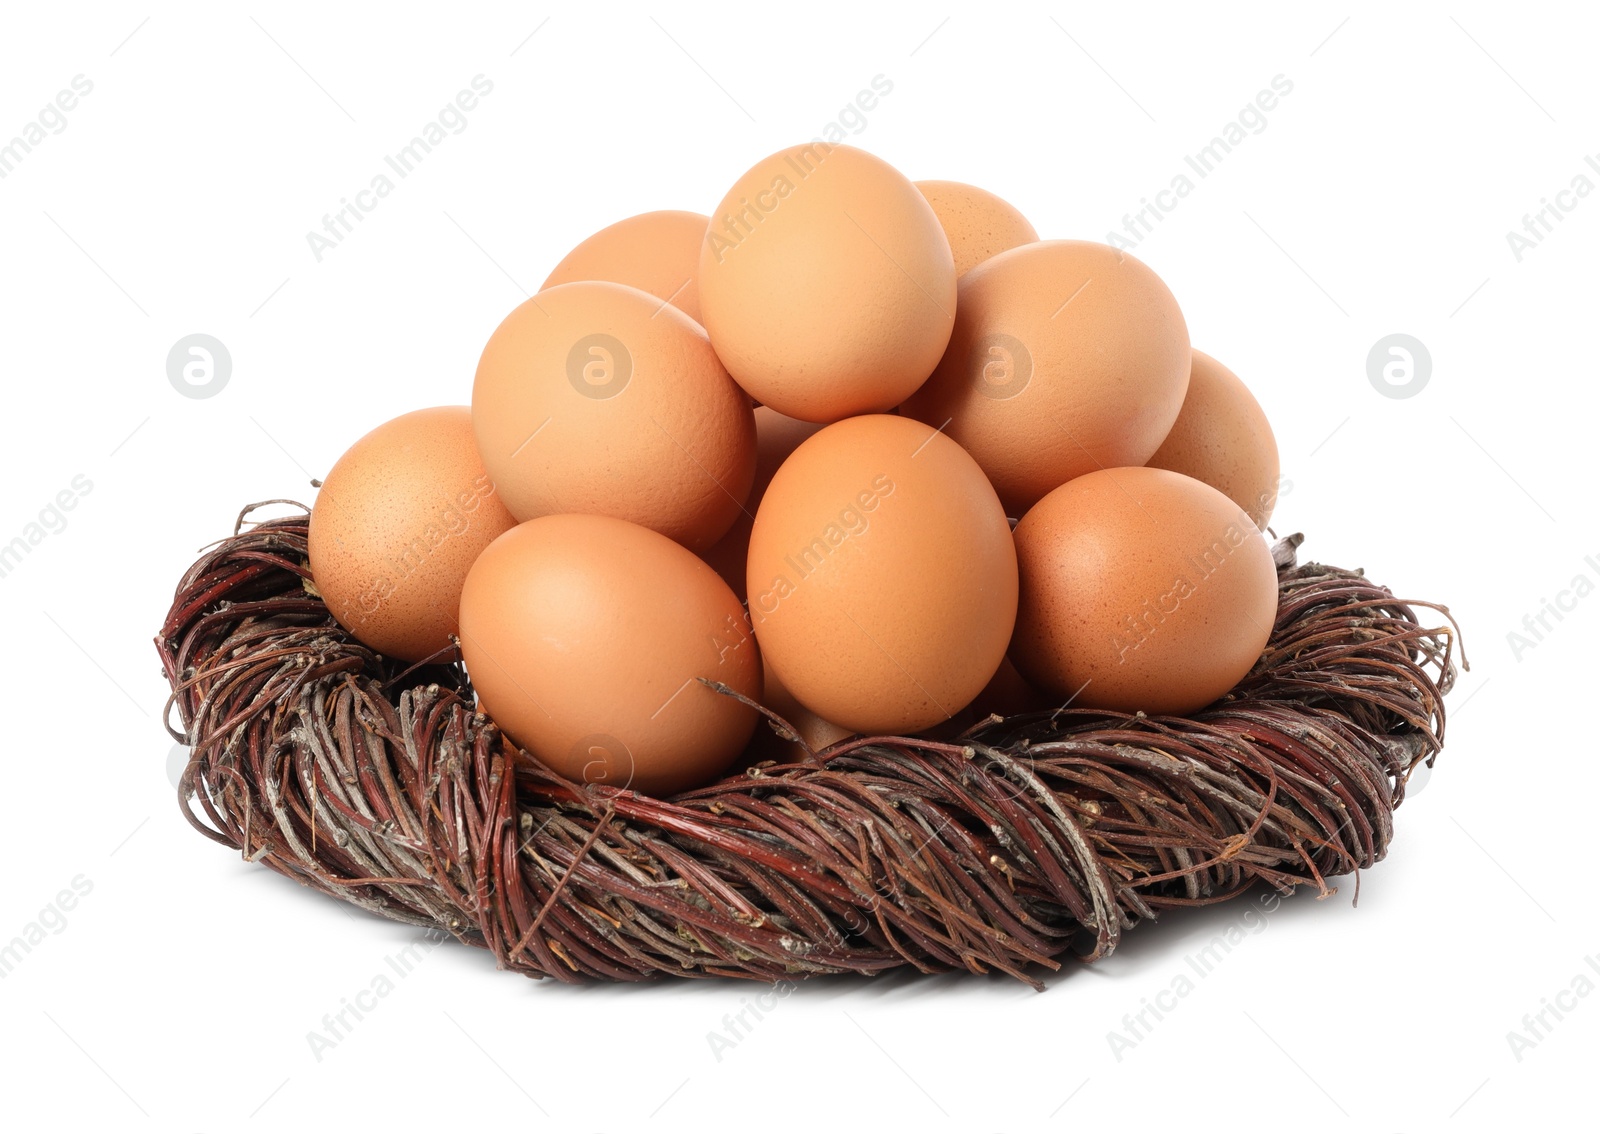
[1025, 840]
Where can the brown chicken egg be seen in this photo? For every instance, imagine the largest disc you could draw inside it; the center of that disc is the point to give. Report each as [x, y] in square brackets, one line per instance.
[594, 397]
[882, 577]
[1007, 694]
[826, 283]
[1067, 356]
[776, 437]
[812, 729]
[1223, 438]
[1141, 589]
[655, 252]
[977, 223]
[586, 637]
[397, 524]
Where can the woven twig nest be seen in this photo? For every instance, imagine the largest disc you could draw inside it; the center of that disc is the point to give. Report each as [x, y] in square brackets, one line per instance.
[1025, 840]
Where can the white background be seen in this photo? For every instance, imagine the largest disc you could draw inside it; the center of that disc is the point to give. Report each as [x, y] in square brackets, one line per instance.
[181, 990]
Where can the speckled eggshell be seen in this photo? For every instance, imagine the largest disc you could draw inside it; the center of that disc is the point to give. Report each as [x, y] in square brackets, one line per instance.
[976, 222]
[826, 283]
[1068, 356]
[585, 636]
[1142, 589]
[594, 397]
[655, 252]
[776, 437]
[1223, 438]
[398, 522]
[882, 577]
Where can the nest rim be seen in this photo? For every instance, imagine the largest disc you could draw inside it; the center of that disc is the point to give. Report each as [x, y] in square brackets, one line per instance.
[381, 784]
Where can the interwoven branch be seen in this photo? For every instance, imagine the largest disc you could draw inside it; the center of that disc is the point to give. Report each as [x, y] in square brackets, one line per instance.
[1025, 840]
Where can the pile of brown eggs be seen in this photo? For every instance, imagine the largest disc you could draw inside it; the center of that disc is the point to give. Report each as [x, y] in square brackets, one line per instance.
[777, 449]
